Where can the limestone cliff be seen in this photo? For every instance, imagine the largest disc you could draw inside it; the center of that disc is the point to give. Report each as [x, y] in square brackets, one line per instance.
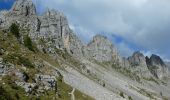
[101, 49]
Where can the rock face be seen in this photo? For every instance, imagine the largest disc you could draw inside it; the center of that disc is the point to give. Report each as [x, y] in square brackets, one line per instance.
[28, 87]
[145, 66]
[54, 28]
[23, 8]
[157, 66]
[5, 68]
[124, 62]
[54, 25]
[101, 49]
[46, 80]
[138, 64]
[137, 59]
[23, 13]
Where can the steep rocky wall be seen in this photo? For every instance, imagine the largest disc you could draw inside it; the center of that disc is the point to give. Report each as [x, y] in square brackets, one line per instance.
[101, 49]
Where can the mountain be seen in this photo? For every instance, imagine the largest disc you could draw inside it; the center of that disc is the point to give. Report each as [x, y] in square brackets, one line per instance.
[42, 58]
[157, 66]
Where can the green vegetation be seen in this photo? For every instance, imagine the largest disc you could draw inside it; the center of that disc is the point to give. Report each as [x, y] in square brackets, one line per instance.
[121, 94]
[19, 55]
[67, 57]
[14, 29]
[64, 89]
[152, 79]
[10, 91]
[146, 93]
[28, 43]
[17, 59]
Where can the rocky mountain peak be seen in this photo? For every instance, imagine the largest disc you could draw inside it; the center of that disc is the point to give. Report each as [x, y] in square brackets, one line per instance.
[101, 49]
[23, 8]
[99, 37]
[137, 59]
[138, 63]
[156, 60]
[157, 66]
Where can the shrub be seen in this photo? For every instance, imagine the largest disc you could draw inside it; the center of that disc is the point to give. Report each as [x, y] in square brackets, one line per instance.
[28, 43]
[25, 61]
[14, 29]
[18, 59]
[4, 95]
[12, 58]
[121, 94]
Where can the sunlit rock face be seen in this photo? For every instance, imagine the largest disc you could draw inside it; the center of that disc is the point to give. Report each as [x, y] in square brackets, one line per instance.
[52, 27]
[23, 8]
[55, 28]
[101, 49]
[23, 13]
[157, 66]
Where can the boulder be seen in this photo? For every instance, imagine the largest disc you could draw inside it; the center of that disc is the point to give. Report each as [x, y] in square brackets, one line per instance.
[46, 80]
[22, 76]
[28, 87]
[5, 68]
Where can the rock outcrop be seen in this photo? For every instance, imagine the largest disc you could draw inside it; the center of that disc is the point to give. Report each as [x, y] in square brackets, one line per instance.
[54, 28]
[5, 68]
[147, 67]
[23, 13]
[101, 49]
[46, 80]
[138, 64]
[137, 59]
[157, 66]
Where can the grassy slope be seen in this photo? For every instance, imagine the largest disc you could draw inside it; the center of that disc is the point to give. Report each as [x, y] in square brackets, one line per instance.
[13, 51]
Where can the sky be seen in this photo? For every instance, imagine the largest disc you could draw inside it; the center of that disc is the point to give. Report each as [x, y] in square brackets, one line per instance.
[131, 25]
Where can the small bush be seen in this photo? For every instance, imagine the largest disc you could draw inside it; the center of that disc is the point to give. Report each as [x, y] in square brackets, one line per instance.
[4, 95]
[121, 94]
[25, 61]
[14, 29]
[12, 58]
[28, 43]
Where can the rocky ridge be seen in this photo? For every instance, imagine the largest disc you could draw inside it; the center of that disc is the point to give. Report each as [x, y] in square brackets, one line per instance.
[51, 33]
[145, 66]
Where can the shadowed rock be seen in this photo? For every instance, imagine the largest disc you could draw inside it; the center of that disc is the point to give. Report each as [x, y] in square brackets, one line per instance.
[157, 66]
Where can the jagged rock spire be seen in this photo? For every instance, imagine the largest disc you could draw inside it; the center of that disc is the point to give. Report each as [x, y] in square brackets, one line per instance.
[157, 66]
[23, 7]
[101, 49]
